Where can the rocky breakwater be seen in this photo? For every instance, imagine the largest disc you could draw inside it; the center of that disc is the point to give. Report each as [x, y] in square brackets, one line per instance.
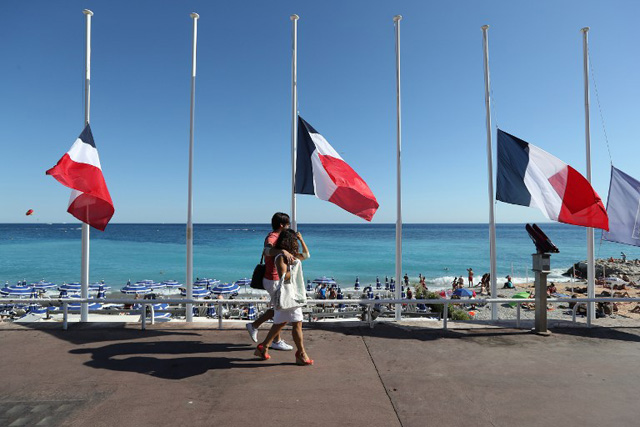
[607, 268]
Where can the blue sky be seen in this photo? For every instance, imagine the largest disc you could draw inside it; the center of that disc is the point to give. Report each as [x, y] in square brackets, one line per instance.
[141, 92]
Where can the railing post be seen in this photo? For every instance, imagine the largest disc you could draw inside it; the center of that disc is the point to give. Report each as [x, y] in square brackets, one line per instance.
[144, 316]
[219, 314]
[65, 316]
[153, 315]
[518, 317]
[445, 314]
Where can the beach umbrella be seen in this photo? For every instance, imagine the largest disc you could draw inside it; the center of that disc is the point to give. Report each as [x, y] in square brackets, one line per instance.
[340, 296]
[370, 293]
[16, 291]
[357, 284]
[226, 289]
[251, 314]
[392, 286]
[324, 280]
[172, 284]
[242, 282]
[201, 282]
[73, 288]
[386, 283]
[403, 294]
[211, 310]
[96, 286]
[378, 284]
[150, 284]
[522, 294]
[137, 288]
[198, 292]
[101, 292]
[463, 292]
[44, 285]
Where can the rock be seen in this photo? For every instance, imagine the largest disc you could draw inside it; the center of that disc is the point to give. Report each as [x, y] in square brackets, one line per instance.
[605, 268]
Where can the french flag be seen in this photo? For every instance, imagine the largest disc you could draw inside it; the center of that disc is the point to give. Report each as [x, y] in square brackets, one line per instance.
[321, 171]
[79, 169]
[529, 176]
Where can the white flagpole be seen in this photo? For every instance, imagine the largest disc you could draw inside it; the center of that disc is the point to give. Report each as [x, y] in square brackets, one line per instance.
[399, 283]
[189, 314]
[84, 270]
[492, 220]
[294, 119]
[591, 273]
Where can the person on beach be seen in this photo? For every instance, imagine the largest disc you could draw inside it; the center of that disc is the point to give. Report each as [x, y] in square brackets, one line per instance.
[406, 279]
[279, 222]
[508, 284]
[470, 270]
[291, 296]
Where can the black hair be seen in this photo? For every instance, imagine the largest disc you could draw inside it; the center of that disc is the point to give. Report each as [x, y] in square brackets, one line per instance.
[288, 240]
[279, 218]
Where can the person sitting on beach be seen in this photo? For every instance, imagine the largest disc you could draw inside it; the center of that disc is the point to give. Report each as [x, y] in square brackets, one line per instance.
[622, 287]
[291, 296]
[484, 282]
[333, 294]
[460, 282]
[322, 292]
[279, 221]
[508, 284]
[551, 289]
[621, 295]
[409, 293]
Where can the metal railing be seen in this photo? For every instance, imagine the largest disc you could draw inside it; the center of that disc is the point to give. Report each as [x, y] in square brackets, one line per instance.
[368, 303]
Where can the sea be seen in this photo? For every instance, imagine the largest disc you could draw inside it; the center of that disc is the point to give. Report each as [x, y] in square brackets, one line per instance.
[229, 252]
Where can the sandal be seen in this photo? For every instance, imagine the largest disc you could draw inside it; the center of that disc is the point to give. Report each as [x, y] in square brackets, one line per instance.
[302, 362]
[261, 352]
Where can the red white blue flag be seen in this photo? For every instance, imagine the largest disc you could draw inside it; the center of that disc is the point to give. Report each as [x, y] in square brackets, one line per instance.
[623, 208]
[321, 171]
[529, 176]
[80, 170]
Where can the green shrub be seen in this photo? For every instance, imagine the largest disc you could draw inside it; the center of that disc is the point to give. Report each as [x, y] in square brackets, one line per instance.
[435, 308]
[420, 293]
[457, 314]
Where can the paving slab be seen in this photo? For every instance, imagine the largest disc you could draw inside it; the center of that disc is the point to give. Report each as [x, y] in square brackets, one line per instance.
[391, 375]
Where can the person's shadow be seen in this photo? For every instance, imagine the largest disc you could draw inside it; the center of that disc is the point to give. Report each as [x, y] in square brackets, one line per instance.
[147, 358]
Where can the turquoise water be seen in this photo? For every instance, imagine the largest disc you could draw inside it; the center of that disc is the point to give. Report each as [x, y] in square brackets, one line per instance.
[230, 251]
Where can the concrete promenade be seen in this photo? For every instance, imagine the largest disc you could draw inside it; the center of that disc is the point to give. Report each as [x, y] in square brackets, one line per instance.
[176, 374]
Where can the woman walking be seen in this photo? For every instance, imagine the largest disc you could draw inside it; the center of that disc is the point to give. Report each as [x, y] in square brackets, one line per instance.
[291, 296]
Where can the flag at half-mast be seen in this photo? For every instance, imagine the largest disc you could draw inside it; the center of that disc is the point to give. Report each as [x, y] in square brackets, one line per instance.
[623, 208]
[529, 176]
[321, 171]
[80, 170]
